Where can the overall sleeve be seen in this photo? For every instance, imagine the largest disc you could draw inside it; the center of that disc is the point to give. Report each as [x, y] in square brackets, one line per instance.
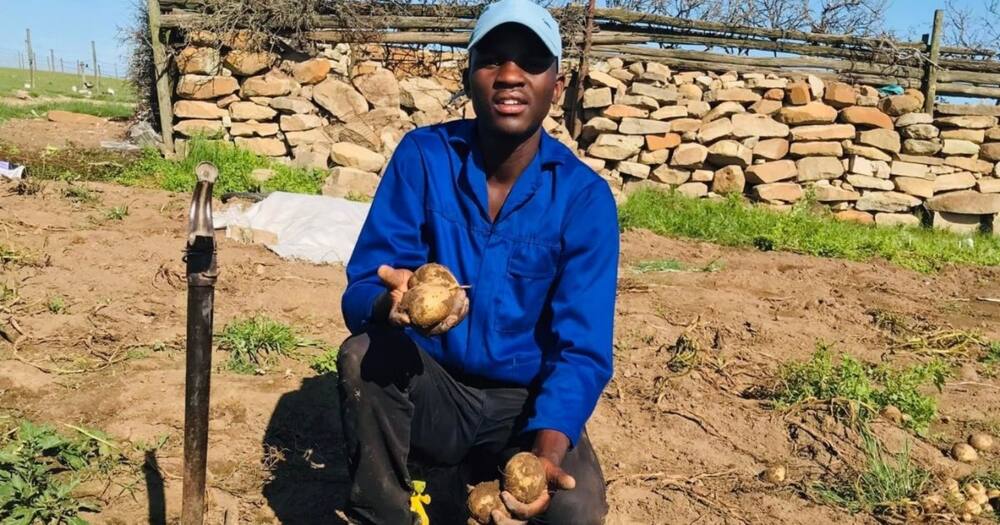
[578, 368]
[391, 234]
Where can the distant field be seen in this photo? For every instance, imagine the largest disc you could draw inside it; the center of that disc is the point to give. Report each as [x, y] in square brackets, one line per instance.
[61, 84]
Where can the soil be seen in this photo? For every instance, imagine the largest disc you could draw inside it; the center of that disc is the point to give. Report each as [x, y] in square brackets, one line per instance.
[678, 444]
[39, 134]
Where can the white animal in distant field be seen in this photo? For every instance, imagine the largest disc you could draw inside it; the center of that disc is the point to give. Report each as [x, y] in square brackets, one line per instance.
[111, 92]
[74, 89]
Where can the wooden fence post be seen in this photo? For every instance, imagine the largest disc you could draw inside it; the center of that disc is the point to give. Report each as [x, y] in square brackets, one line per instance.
[162, 77]
[930, 86]
[31, 57]
[574, 122]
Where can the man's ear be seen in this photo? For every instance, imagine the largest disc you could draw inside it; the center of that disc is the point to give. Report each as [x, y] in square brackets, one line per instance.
[560, 86]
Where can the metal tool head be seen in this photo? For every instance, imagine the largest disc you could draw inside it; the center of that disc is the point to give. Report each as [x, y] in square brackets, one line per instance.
[200, 215]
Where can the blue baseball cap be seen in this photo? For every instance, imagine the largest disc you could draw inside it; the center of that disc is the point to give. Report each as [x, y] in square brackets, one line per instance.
[524, 12]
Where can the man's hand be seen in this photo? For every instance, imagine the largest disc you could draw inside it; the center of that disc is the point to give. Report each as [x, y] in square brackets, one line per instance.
[550, 447]
[396, 280]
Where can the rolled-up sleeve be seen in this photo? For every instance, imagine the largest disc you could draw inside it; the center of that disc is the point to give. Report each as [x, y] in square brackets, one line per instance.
[391, 235]
[576, 370]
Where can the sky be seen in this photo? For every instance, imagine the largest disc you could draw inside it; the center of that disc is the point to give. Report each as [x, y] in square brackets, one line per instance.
[68, 26]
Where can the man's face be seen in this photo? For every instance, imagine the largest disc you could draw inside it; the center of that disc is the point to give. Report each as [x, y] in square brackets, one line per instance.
[512, 81]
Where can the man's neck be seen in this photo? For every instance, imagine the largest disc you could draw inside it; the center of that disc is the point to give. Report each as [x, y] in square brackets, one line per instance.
[506, 158]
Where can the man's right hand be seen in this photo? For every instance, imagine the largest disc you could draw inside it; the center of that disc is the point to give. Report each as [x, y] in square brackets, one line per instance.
[396, 280]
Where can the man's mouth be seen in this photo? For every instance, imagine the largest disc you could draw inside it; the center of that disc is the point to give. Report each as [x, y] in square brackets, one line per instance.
[510, 104]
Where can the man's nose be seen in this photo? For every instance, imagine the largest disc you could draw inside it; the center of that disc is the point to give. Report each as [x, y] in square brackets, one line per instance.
[510, 74]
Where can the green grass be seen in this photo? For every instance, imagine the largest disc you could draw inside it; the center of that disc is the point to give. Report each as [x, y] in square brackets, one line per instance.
[673, 265]
[80, 195]
[40, 468]
[48, 84]
[114, 110]
[887, 483]
[858, 391]
[118, 213]
[325, 363]
[56, 304]
[235, 166]
[731, 222]
[254, 343]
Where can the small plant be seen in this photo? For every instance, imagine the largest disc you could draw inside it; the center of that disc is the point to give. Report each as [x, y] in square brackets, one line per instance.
[672, 265]
[325, 363]
[79, 195]
[858, 391]
[29, 186]
[56, 304]
[10, 256]
[354, 196]
[118, 213]
[254, 343]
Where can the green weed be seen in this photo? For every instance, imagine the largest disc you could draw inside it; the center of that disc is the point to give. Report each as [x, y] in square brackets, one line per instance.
[11, 256]
[254, 343]
[858, 391]
[80, 195]
[672, 265]
[325, 363]
[39, 468]
[56, 304]
[731, 222]
[118, 213]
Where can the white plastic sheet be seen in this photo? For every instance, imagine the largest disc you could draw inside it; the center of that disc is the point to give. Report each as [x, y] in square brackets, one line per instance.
[11, 171]
[313, 228]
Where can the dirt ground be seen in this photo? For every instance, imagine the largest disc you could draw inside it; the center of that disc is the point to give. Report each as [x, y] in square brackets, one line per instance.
[676, 448]
[39, 134]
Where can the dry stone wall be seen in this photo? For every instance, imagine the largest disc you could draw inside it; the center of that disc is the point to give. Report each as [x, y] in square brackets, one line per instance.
[871, 158]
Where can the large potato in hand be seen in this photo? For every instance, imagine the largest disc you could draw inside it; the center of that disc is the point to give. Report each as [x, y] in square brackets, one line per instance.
[431, 295]
[484, 499]
[432, 273]
[524, 477]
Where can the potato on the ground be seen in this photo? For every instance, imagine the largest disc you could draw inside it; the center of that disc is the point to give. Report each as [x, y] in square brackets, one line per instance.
[964, 452]
[981, 441]
[524, 477]
[484, 498]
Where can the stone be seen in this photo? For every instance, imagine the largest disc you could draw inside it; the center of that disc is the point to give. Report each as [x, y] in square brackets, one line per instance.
[840, 95]
[615, 147]
[729, 179]
[861, 165]
[605, 80]
[859, 217]
[636, 126]
[683, 125]
[340, 99]
[660, 69]
[311, 71]
[201, 87]
[818, 168]
[868, 182]
[993, 134]
[883, 139]
[799, 93]
[198, 61]
[246, 63]
[816, 86]
[988, 185]
[967, 121]
[865, 151]
[769, 172]
[909, 169]
[823, 132]
[692, 190]
[669, 112]
[697, 108]
[622, 74]
[728, 152]
[976, 136]
[197, 128]
[198, 110]
[921, 147]
[893, 220]
[722, 110]
[886, 201]
[353, 156]
[307, 138]
[955, 223]
[990, 151]
[750, 125]
[967, 201]
[962, 180]
[825, 193]
[689, 155]
[662, 95]
[226, 101]
[742, 95]
[771, 149]
[811, 113]
[689, 92]
[816, 149]
[294, 105]
[974, 165]
[913, 186]
[423, 94]
[344, 182]
[596, 126]
[638, 101]
[619, 111]
[702, 175]
[778, 191]
[381, 118]
[774, 94]
[913, 119]
[250, 111]
[595, 165]
[654, 158]
[866, 117]
[668, 175]
[711, 131]
[959, 147]
[379, 87]
[634, 169]
[766, 107]
[597, 98]
[301, 122]
[667, 141]
[253, 129]
[267, 147]
[273, 84]
[897, 105]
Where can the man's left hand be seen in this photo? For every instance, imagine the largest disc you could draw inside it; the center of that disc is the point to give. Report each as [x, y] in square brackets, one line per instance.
[459, 309]
[557, 479]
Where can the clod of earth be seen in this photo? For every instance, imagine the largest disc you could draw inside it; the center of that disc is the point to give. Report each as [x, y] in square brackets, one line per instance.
[981, 442]
[964, 452]
[431, 295]
[775, 474]
[891, 413]
[484, 498]
[524, 477]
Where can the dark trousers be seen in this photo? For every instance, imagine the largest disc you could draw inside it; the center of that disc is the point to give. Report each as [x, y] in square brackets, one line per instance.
[402, 411]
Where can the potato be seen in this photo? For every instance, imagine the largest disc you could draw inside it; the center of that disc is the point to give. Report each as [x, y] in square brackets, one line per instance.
[524, 477]
[775, 474]
[964, 453]
[484, 499]
[428, 304]
[981, 441]
[432, 273]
